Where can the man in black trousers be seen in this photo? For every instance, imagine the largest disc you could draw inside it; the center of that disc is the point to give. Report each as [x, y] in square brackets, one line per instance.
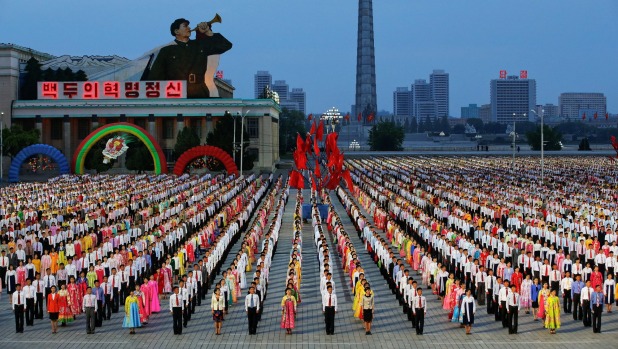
[512, 304]
[329, 308]
[252, 307]
[19, 306]
[176, 308]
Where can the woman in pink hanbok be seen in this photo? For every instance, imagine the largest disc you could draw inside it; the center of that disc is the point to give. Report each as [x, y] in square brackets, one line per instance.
[22, 274]
[143, 316]
[167, 279]
[45, 262]
[147, 295]
[155, 307]
[416, 259]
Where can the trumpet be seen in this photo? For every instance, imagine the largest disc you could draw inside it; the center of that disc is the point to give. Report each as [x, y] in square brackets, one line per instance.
[216, 19]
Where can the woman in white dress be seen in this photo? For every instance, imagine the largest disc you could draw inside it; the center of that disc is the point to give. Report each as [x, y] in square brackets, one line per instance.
[609, 287]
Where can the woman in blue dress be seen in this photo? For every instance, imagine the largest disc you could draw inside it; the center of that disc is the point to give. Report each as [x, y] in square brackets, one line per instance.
[131, 313]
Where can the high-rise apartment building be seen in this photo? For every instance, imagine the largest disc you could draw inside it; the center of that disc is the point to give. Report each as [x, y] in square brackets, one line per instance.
[401, 102]
[574, 104]
[511, 98]
[439, 81]
[261, 80]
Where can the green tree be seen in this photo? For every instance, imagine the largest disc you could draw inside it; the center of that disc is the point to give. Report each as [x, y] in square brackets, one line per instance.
[187, 139]
[80, 75]
[33, 76]
[551, 137]
[459, 129]
[584, 144]
[477, 123]
[222, 137]
[443, 125]
[291, 123]
[16, 138]
[386, 136]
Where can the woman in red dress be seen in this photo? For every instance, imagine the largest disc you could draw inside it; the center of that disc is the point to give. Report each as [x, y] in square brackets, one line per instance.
[74, 297]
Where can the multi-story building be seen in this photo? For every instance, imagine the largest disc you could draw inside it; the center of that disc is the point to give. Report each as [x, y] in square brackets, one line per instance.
[401, 102]
[470, 112]
[485, 113]
[423, 107]
[574, 104]
[439, 81]
[512, 99]
[261, 80]
[298, 95]
[282, 89]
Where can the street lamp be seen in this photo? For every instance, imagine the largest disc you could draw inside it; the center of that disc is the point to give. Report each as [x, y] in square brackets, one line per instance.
[542, 145]
[514, 134]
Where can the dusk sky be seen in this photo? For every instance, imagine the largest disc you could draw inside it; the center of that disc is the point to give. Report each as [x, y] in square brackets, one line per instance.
[566, 45]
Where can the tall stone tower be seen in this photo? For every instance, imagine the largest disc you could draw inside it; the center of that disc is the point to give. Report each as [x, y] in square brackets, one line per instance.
[365, 62]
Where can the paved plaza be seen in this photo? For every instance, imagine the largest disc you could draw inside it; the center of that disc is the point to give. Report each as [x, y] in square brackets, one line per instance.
[390, 327]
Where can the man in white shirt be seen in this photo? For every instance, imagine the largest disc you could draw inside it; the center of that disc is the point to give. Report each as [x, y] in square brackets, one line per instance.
[90, 307]
[513, 305]
[176, 308]
[252, 308]
[18, 304]
[503, 296]
[30, 293]
[329, 309]
[585, 301]
[565, 287]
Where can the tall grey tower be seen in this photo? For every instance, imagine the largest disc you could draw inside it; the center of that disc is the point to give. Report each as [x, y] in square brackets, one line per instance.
[365, 62]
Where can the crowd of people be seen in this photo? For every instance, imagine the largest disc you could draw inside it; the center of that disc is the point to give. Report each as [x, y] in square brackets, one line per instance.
[91, 244]
[479, 233]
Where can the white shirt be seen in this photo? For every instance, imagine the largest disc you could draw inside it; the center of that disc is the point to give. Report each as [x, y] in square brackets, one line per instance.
[176, 301]
[256, 301]
[22, 299]
[326, 297]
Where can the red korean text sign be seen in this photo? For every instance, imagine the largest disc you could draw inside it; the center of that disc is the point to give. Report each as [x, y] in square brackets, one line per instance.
[95, 90]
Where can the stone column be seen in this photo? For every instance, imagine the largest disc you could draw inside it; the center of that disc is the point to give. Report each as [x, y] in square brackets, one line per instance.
[38, 123]
[151, 127]
[66, 135]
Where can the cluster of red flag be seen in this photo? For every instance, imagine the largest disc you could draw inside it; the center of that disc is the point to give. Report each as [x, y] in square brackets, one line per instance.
[334, 160]
[596, 115]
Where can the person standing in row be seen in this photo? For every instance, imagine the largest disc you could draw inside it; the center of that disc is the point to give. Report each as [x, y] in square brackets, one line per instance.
[586, 294]
[468, 309]
[368, 306]
[252, 308]
[131, 311]
[176, 307]
[552, 312]
[18, 304]
[53, 308]
[89, 306]
[419, 307]
[217, 306]
[329, 308]
[30, 293]
[513, 305]
[288, 311]
[596, 305]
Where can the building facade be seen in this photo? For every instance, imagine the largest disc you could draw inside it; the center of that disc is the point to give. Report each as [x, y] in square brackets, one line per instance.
[401, 102]
[511, 98]
[439, 81]
[470, 112]
[260, 80]
[282, 89]
[298, 96]
[574, 104]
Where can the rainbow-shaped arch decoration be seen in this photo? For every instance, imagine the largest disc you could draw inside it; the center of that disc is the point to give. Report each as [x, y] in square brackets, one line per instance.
[79, 157]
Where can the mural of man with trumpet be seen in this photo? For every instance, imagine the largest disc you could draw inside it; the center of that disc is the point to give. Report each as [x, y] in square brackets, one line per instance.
[192, 60]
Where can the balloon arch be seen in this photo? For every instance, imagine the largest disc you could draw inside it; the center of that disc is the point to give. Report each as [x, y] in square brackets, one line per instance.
[205, 150]
[79, 157]
[35, 149]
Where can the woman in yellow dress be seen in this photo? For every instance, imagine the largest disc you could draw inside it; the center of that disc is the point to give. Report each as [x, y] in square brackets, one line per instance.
[552, 313]
[231, 282]
[54, 262]
[181, 261]
[359, 290]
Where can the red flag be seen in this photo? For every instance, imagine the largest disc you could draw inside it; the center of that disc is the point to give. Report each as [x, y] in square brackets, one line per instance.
[296, 180]
[347, 117]
[300, 144]
[310, 117]
[317, 171]
[319, 134]
[300, 159]
[316, 149]
[596, 115]
[370, 117]
[308, 143]
[348, 180]
[312, 131]
[313, 187]
[606, 116]
[360, 116]
[584, 116]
